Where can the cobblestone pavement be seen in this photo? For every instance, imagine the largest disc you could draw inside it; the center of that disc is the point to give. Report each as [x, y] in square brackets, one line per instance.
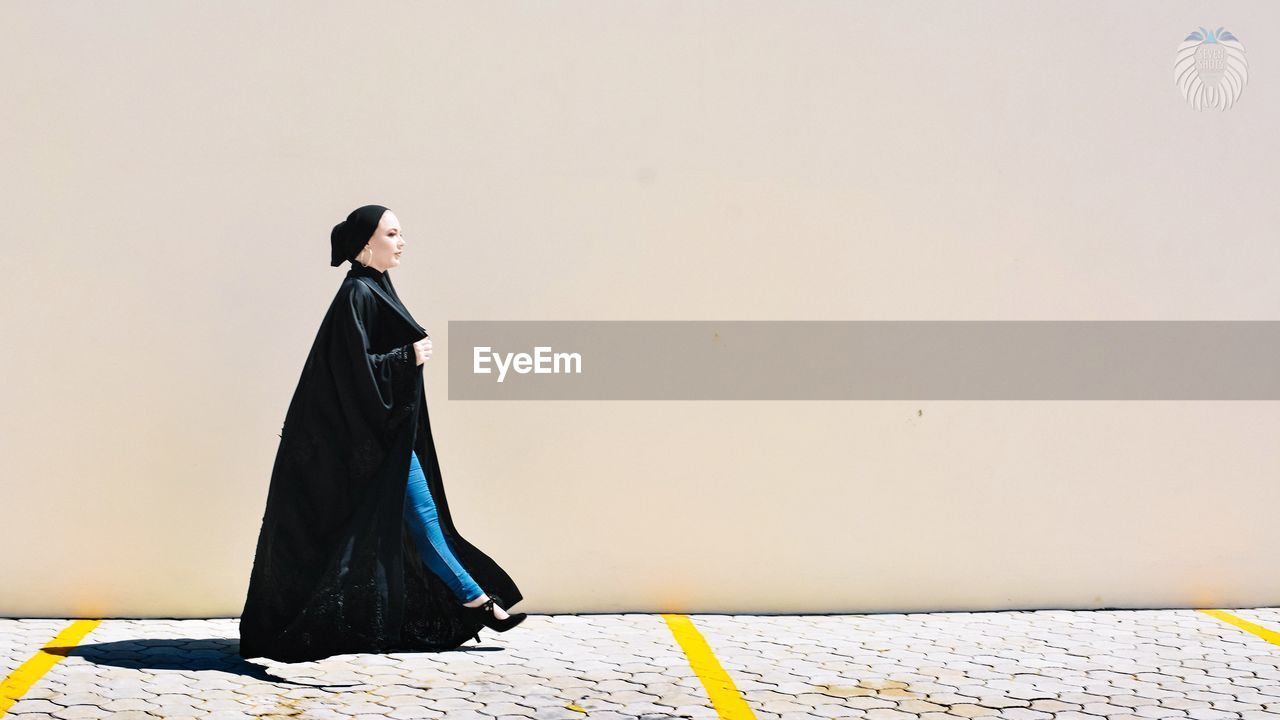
[1086, 665]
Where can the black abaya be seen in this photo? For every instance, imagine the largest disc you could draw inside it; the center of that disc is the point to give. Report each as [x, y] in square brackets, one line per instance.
[335, 569]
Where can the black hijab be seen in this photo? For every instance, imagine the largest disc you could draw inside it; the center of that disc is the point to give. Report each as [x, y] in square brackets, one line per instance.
[349, 236]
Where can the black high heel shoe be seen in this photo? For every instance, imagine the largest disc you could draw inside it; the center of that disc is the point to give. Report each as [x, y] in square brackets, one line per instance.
[485, 614]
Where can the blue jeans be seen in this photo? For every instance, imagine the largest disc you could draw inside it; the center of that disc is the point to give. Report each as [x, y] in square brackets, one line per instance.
[424, 525]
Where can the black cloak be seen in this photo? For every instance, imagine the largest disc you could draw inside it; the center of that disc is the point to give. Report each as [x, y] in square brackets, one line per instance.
[335, 569]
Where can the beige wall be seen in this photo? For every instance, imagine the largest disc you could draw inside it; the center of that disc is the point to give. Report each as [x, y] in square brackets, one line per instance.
[172, 171]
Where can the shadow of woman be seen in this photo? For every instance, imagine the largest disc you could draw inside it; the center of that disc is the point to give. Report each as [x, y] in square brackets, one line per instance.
[196, 655]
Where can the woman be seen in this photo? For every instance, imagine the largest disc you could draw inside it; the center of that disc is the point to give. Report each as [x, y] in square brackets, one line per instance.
[358, 551]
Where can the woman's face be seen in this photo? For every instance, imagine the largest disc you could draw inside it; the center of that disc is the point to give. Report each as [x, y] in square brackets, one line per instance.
[386, 244]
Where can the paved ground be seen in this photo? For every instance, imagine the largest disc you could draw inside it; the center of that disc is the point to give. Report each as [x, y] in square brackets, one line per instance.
[931, 666]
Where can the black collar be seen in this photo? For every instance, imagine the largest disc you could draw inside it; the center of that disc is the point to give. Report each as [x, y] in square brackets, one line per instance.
[380, 284]
[359, 270]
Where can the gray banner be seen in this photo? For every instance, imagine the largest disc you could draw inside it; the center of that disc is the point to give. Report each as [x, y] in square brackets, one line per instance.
[864, 360]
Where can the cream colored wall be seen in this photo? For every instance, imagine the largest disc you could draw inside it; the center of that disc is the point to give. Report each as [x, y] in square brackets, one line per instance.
[172, 171]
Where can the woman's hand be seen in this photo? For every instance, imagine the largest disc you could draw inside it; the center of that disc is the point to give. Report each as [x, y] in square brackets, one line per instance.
[422, 349]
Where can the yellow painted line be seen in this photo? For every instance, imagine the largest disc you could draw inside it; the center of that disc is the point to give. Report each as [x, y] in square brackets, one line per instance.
[1270, 636]
[725, 696]
[29, 672]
